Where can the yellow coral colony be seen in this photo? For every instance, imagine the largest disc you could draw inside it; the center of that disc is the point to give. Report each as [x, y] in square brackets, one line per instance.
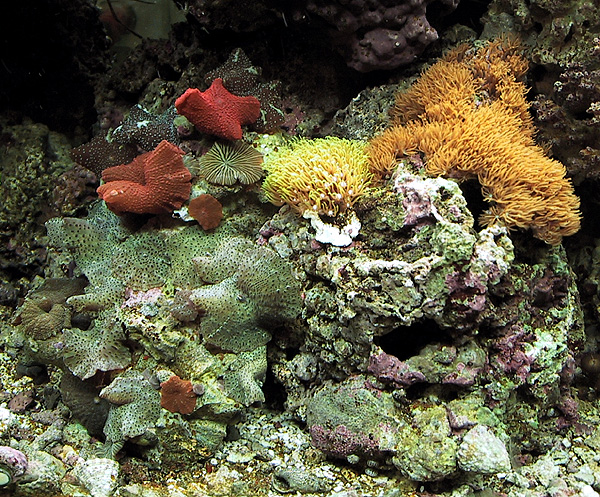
[468, 116]
[324, 175]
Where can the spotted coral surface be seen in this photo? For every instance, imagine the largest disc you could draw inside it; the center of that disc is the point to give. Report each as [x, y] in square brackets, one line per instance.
[91, 243]
[145, 129]
[246, 297]
[245, 376]
[100, 348]
[134, 409]
[110, 256]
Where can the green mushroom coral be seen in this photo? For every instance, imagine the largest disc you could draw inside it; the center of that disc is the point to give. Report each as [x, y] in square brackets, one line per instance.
[134, 410]
[98, 349]
[111, 257]
[246, 297]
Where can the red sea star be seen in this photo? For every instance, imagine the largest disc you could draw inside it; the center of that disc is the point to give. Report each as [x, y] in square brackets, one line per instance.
[218, 112]
[156, 182]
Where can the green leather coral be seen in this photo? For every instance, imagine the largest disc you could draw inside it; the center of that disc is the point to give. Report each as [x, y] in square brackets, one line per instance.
[252, 289]
[110, 256]
[325, 175]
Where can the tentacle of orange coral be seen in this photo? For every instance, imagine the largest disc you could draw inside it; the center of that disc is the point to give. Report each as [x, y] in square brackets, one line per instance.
[499, 60]
[469, 115]
[513, 95]
[432, 88]
[458, 53]
[385, 150]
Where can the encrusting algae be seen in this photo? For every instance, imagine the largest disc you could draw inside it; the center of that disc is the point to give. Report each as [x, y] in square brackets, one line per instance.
[469, 117]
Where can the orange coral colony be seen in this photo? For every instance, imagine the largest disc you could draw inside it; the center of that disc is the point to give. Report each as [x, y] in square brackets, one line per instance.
[469, 118]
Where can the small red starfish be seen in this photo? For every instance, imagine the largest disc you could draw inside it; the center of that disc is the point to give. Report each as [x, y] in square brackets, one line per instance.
[218, 112]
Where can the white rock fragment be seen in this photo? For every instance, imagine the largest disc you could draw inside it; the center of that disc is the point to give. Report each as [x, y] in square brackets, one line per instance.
[588, 491]
[482, 452]
[328, 233]
[98, 476]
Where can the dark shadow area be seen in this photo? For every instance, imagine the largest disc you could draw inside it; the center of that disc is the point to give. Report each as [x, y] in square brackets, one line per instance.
[50, 51]
[407, 341]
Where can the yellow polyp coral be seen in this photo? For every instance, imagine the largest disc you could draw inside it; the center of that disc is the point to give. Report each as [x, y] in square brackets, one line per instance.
[324, 175]
[468, 117]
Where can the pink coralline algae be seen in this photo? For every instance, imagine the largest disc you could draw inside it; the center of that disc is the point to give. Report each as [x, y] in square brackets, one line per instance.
[13, 465]
[511, 354]
[342, 442]
[441, 364]
[389, 369]
[351, 419]
[417, 207]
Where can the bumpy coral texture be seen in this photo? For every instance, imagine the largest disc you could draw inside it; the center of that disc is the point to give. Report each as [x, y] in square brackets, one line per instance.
[378, 34]
[135, 408]
[207, 210]
[324, 175]
[110, 257]
[252, 289]
[156, 182]
[218, 112]
[98, 349]
[241, 78]
[177, 395]
[469, 117]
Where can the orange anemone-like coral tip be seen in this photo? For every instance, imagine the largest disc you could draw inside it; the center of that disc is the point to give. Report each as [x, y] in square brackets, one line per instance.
[177, 395]
[156, 182]
[218, 112]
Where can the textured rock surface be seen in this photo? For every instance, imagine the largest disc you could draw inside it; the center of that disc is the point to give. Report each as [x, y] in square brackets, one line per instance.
[424, 350]
[482, 452]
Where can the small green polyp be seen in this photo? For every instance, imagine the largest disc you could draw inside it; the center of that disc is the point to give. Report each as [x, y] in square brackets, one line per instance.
[5, 477]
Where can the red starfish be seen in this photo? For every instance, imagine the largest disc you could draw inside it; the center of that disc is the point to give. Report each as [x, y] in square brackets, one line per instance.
[218, 112]
[156, 182]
